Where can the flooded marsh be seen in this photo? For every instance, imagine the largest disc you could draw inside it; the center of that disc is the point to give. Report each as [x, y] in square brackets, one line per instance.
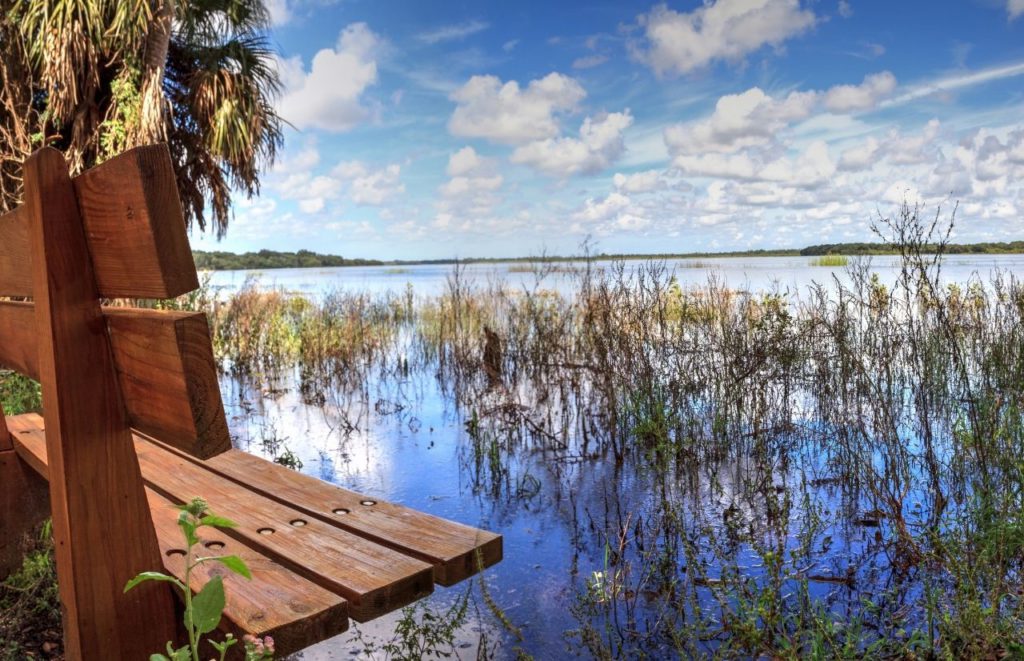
[678, 470]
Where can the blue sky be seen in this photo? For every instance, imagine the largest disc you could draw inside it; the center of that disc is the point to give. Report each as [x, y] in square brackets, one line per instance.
[440, 129]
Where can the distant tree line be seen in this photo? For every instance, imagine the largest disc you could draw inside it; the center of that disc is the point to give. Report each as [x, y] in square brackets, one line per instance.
[991, 248]
[272, 259]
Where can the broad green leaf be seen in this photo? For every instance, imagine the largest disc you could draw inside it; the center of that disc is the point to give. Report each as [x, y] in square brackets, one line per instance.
[217, 522]
[151, 576]
[235, 564]
[158, 657]
[207, 606]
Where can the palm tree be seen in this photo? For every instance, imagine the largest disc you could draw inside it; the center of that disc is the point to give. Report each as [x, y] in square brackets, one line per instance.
[95, 77]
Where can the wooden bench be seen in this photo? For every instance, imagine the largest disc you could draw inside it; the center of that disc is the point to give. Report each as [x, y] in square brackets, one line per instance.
[134, 425]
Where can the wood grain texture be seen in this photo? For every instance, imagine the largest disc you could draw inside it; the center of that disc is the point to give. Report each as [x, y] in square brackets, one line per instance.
[165, 369]
[372, 578]
[455, 550]
[134, 229]
[95, 483]
[169, 378]
[276, 602]
[19, 342]
[15, 260]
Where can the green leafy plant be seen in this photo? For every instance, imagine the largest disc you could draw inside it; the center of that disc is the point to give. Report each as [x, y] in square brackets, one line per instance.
[203, 610]
[19, 394]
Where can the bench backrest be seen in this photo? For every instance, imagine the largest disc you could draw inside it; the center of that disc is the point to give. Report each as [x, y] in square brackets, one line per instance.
[115, 231]
[138, 248]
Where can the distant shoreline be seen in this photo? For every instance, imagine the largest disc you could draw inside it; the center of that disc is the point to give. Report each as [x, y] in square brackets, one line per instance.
[271, 259]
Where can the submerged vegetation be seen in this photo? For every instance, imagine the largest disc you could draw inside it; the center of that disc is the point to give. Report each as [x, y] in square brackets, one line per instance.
[829, 473]
[830, 260]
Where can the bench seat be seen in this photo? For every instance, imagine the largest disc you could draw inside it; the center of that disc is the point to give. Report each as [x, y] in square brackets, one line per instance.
[318, 553]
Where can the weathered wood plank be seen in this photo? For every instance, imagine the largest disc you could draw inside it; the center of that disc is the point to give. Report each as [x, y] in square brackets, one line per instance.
[19, 349]
[455, 550]
[28, 434]
[169, 378]
[95, 483]
[275, 602]
[374, 579]
[134, 229]
[15, 259]
[165, 368]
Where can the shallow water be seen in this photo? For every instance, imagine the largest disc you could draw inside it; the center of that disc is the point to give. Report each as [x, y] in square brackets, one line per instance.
[402, 438]
[752, 273]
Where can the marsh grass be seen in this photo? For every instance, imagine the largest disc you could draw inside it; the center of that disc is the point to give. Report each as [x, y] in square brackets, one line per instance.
[830, 260]
[832, 473]
[704, 265]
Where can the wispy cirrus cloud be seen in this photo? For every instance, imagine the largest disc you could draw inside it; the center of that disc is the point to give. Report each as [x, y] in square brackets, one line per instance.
[453, 32]
[955, 82]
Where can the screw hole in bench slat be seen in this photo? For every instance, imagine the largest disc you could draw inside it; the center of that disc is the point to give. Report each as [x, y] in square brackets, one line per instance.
[214, 546]
[266, 531]
[341, 511]
[175, 552]
[368, 502]
[298, 523]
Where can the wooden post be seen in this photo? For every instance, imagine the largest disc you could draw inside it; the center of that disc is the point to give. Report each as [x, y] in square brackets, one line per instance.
[102, 529]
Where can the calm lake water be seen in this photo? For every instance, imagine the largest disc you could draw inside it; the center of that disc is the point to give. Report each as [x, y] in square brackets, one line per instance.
[751, 273]
[404, 440]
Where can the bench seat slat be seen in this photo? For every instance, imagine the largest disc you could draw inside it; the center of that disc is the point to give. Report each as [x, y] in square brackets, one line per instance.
[374, 579]
[457, 551]
[275, 602]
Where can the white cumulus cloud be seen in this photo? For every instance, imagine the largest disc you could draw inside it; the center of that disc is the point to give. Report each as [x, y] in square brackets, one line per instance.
[470, 174]
[679, 43]
[505, 113]
[639, 182]
[603, 209]
[739, 121]
[377, 187]
[329, 95]
[851, 98]
[599, 144]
